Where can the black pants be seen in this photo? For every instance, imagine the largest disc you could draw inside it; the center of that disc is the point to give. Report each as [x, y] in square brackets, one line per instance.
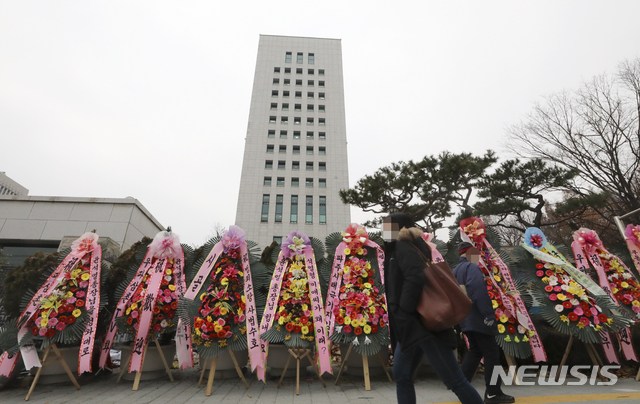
[482, 346]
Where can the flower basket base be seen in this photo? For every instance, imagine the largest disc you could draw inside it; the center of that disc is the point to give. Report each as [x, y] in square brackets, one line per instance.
[212, 371]
[298, 354]
[60, 359]
[593, 354]
[154, 368]
[365, 370]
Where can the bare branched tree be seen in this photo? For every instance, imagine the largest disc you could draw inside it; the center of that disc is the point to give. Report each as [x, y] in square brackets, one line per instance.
[596, 130]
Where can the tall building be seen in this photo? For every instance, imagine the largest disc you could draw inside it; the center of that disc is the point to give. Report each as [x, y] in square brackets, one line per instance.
[295, 156]
[10, 187]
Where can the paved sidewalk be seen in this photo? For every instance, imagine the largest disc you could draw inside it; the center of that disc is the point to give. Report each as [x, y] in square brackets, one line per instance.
[103, 389]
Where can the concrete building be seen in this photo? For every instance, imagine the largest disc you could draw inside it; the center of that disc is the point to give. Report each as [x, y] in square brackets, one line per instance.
[295, 157]
[10, 187]
[41, 223]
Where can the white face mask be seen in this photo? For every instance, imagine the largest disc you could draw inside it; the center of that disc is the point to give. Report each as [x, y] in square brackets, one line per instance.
[387, 235]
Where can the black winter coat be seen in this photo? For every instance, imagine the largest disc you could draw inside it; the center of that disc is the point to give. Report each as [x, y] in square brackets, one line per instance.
[404, 279]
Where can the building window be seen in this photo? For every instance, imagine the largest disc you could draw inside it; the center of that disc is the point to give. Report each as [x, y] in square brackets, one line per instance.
[280, 181]
[274, 105]
[269, 148]
[320, 96]
[274, 93]
[276, 70]
[322, 216]
[309, 210]
[295, 181]
[322, 150]
[297, 120]
[296, 134]
[320, 72]
[320, 107]
[310, 83]
[287, 57]
[294, 209]
[310, 135]
[282, 148]
[309, 121]
[309, 149]
[272, 119]
[268, 164]
[310, 71]
[281, 164]
[298, 82]
[321, 83]
[296, 149]
[322, 182]
[322, 166]
[287, 82]
[267, 181]
[299, 70]
[298, 94]
[322, 135]
[295, 165]
[285, 106]
[284, 119]
[321, 121]
[309, 182]
[310, 107]
[265, 208]
[299, 58]
[277, 239]
[285, 94]
[287, 70]
[271, 133]
[311, 58]
[309, 165]
[279, 208]
[297, 107]
[276, 81]
[310, 94]
[283, 134]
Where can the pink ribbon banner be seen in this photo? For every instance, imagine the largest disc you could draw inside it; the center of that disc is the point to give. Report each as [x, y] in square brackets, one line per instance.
[624, 337]
[29, 352]
[255, 354]
[137, 353]
[92, 304]
[319, 323]
[269, 313]
[335, 282]
[184, 348]
[126, 296]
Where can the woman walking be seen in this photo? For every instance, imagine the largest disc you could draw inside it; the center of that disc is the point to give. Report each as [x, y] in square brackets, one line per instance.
[404, 279]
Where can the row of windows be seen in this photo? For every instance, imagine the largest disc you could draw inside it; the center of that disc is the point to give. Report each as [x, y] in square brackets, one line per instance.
[297, 107]
[298, 94]
[322, 150]
[300, 58]
[295, 182]
[287, 82]
[295, 165]
[293, 215]
[296, 134]
[296, 120]
[287, 70]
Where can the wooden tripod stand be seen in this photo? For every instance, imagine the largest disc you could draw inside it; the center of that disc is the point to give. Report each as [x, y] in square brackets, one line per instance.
[298, 354]
[45, 363]
[136, 382]
[365, 367]
[212, 372]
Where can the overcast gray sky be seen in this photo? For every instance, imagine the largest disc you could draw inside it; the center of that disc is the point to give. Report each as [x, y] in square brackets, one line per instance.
[151, 99]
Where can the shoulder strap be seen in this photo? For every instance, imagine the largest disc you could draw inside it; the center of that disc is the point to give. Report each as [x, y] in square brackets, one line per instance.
[421, 254]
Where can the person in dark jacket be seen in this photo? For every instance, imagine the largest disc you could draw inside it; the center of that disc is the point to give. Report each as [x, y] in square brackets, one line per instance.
[404, 279]
[479, 326]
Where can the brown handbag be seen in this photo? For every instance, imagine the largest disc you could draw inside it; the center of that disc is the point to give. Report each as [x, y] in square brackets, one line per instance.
[443, 303]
